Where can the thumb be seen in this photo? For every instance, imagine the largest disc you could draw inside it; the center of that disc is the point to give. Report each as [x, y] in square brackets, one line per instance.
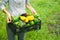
[8, 20]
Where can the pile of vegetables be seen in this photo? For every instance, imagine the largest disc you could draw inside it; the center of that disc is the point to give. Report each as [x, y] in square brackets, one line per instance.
[21, 21]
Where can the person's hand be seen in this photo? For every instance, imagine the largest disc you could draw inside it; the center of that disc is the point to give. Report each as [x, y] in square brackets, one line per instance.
[8, 18]
[8, 15]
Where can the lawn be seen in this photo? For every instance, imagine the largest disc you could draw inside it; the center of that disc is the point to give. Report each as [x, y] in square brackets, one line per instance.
[49, 12]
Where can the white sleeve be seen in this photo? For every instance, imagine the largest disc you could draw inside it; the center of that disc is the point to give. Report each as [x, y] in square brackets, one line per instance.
[2, 4]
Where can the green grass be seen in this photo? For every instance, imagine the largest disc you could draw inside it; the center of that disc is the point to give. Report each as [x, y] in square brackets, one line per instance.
[49, 11]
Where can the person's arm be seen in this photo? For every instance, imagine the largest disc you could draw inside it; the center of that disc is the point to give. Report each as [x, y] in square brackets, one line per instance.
[30, 8]
[2, 7]
[8, 15]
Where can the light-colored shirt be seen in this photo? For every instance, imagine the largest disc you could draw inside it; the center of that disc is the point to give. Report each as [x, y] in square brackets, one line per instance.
[15, 7]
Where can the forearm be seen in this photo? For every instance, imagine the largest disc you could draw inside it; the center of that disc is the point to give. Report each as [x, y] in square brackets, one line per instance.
[30, 8]
[2, 6]
[5, 11]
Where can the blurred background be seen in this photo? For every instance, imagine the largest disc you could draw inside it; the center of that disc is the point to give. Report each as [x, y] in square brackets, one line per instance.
[49, 12]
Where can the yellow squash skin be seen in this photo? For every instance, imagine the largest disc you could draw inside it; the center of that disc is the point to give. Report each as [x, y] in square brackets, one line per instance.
[26, 20]
[30, 18]
[22, 18]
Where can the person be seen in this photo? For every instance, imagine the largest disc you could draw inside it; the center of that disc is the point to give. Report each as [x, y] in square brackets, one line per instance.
[15, 8]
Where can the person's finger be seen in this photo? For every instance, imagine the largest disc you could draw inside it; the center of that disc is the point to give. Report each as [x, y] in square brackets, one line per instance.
[8, 20]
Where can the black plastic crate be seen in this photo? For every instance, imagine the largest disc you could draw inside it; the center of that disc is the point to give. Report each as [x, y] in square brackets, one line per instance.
[36, 26]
